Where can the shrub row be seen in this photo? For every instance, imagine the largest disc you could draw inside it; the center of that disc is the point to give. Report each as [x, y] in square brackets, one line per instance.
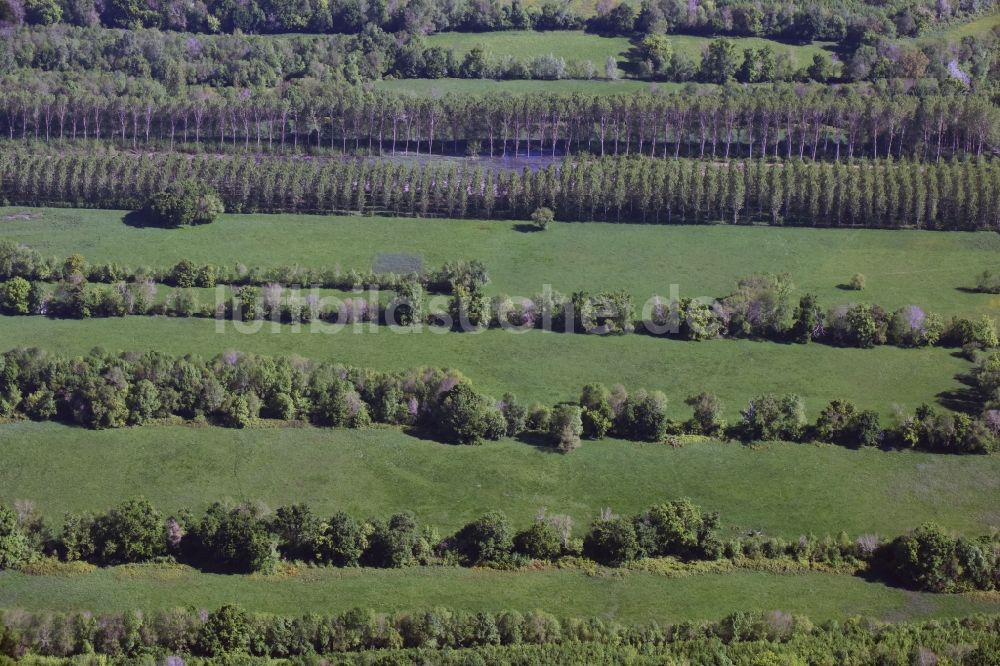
[759, 308]
[243, 539]
[21, 261]
[102, 390]
[881, 193]
[444, 636]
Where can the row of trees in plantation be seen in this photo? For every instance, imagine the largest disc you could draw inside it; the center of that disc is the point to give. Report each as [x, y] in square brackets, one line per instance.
[244, 538]
[102, 390]
[452, 637]
[783, 122]
[954, 195]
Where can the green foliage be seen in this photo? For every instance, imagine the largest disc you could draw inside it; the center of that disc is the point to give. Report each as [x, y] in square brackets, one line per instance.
[708, 411]
[184, 203]
[720, 62]
[770, 417]
[14, 548]
[131, 532]
[566, 427]
[643, 416]
[487, 539]
[611, 541]
[539, 542]
[542, 217]
[234, 539]
[597, 415]
[675, 528]
[226, 630]
[466, 417]
[14, 296]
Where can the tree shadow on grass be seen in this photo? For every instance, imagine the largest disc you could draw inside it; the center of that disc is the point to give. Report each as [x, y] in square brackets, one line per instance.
[967, 399]
[140, 219]
[537, 440]
[525, 228]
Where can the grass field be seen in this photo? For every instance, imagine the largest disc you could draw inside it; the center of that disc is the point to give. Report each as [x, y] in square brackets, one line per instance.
[547, 367]
[781, 489]
[631, 598]
[577, 46]
[932, 269]
[440, 87]
[574, 46]
[955, 32]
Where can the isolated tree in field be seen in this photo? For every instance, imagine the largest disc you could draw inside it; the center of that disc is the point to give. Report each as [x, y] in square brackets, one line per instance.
[184, 203]
[542, 217]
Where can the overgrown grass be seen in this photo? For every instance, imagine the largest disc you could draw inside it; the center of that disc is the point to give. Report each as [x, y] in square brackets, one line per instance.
[933, 269]
[780, 489]
[631, 598]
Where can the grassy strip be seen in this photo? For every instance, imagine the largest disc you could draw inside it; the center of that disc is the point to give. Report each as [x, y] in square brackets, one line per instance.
[781, 489]
[631, 597]
[902, 267]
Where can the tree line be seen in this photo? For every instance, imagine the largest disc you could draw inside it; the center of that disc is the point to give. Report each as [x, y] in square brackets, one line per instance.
[954, 195]
[760, 307]
[102, 390]
[21, 261]
[447, 636]
[781, 122]
[851, 21]
[244, 539]
[54, 58]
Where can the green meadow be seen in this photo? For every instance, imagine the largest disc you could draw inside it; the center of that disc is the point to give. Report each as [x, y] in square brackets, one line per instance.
[779, 489]
[634, 597]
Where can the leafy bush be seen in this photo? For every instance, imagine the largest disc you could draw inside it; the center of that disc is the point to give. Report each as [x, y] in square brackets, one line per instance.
[184, 203]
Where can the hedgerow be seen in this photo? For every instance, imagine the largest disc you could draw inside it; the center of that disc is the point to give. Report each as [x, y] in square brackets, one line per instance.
[102, 390]
[244, 538]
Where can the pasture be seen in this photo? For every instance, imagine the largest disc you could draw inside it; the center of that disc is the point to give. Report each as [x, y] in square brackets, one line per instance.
[632, 597]
[779, 489]
[548, 367]
[935, 270]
